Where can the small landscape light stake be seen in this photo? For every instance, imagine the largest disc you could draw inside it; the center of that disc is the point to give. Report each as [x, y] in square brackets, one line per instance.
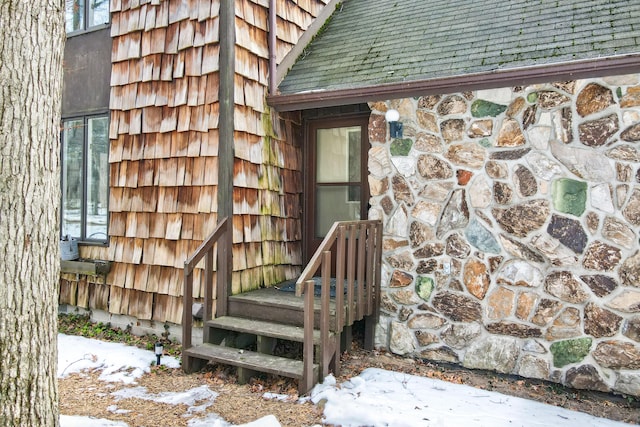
[158, 350]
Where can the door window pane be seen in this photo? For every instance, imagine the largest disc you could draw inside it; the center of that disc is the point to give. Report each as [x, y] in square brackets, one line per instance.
[338, 177]
[338, 155]
[335, 203]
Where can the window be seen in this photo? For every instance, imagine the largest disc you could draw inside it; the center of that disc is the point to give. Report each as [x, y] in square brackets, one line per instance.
[85, 178]
[84, 14]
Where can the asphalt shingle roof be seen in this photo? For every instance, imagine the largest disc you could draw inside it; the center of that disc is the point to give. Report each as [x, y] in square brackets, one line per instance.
[373, 42]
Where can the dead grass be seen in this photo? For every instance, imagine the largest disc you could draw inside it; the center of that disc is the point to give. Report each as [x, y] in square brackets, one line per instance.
[85, 395]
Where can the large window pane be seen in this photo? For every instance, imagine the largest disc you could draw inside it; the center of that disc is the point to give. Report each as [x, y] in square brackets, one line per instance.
[84, 14]
[98, 12]
[97, 178]
[72, 177]
[85, 178]
[74, 15]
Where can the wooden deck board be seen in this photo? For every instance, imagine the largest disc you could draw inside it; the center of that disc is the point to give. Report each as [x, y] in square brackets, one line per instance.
[273, 297]
[270, 304]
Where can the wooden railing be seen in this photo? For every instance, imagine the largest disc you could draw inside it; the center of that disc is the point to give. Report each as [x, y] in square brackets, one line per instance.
[206, 250]
[356, 249]
[350, 253]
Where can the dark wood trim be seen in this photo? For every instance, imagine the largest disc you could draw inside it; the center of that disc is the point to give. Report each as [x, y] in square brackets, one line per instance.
[226, 151]
[590, 68]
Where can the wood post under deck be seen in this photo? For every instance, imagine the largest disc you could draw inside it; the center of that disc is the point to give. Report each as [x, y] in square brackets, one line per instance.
[226, 145]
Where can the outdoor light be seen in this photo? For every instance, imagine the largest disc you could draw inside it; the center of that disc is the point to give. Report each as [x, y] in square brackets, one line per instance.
[395, 127]
[158, 350]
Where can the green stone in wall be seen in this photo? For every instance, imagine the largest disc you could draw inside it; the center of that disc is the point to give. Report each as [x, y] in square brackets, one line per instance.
[484, 142]
[482, 108]
[570, 351]
[401, 147]
[424, 287]
[532, 97]
[569, 196]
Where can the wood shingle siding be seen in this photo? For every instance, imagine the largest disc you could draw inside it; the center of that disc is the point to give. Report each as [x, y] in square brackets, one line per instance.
[164, 108]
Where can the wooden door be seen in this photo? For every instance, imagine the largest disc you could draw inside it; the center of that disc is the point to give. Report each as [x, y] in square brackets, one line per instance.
[336, 187]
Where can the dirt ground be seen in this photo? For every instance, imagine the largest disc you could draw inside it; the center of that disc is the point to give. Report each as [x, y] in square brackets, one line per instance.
[83, 394]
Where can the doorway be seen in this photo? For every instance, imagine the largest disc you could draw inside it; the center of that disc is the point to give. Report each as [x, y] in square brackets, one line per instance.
[336, 186]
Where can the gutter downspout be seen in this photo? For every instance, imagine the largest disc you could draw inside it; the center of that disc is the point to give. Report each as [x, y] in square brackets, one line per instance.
[226, 152]
[273, 39]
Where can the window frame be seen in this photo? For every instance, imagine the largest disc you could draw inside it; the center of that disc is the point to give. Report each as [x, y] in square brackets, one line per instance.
[84, 175]
[85, 19]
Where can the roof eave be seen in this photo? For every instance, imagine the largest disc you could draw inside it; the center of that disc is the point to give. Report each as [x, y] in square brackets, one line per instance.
[599, 67]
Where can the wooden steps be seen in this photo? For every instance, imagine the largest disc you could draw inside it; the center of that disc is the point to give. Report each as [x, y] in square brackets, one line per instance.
[261, 328]
[250, 360]
[270, 304]
[250, 325]
[248, 344]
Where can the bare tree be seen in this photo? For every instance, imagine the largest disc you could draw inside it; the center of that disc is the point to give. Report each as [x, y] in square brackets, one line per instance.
[31, 48]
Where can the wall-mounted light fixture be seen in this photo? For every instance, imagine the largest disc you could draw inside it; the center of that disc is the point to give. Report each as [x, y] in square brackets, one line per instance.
[395, 127]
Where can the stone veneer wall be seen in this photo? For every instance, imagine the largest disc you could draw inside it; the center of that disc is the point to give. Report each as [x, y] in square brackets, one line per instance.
[511, 230]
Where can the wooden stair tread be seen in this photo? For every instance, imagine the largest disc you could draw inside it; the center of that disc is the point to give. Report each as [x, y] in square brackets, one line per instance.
[271, 297]
[251, 360]
[263, 328]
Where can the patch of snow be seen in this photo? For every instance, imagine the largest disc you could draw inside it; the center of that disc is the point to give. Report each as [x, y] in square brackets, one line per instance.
[188, 397]
[118, 362]
[380, 398]
[70, 421]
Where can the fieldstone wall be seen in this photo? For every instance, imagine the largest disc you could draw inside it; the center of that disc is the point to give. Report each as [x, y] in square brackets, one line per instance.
[511, 230]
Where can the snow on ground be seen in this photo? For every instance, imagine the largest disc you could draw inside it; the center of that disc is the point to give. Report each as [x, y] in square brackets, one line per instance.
[375, 398]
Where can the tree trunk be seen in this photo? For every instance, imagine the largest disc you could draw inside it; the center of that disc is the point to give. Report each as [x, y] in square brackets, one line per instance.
[31, 49]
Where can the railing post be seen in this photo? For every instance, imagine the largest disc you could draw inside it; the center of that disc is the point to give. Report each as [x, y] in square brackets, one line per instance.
[208, 291]
[362, 248]
[308, 379]
[223, 269]
[378, 268]
[325, 294]
[340, 264]
[371, 274]
[351, 272]
[187, 317]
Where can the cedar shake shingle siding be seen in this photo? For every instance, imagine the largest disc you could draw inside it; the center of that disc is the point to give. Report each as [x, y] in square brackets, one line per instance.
[164, 155]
